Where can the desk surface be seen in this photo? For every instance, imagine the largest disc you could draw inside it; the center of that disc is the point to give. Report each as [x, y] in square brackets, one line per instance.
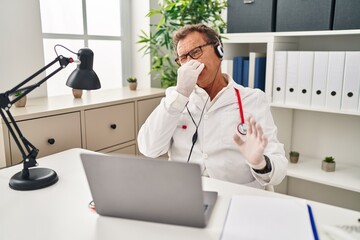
[61, 211]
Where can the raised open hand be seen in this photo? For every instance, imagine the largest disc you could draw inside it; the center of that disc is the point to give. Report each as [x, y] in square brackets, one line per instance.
[254, 145]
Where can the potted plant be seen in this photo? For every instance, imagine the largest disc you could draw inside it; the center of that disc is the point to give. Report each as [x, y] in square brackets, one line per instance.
[174, 14]
[22, 101]
[294, 156]
[132, 83]
[328, 164]
[77, 93]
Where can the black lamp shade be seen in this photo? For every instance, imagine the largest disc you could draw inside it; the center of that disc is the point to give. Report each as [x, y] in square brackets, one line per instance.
[84, 77]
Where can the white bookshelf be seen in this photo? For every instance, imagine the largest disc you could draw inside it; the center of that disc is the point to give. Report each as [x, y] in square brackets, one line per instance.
[314, 132]
[346, 176]
[316, 109]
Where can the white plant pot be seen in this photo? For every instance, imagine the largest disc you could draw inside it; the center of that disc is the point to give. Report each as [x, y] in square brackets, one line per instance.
[328, 167]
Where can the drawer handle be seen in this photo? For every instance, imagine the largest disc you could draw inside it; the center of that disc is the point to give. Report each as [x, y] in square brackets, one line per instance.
[113, 126]
[51, 141]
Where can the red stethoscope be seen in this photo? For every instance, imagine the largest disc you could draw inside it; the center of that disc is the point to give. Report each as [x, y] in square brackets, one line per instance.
[242, 126]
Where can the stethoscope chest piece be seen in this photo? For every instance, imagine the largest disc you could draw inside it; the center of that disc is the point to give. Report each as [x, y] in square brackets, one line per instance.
[242, 128]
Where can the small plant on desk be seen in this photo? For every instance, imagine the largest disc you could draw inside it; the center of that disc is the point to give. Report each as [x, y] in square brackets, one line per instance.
[294, 156]
[132, 82]
[22, 101]
[131, 79]
[328, 164]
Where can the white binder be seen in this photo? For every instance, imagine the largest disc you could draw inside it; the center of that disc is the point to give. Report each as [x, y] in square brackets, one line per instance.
[280, 60]
[305, 77]
[291, 94]
[318, 96]
[335, 80]
[351, 88]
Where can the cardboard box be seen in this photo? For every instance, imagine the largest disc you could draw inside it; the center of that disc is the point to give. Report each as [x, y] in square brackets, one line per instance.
[304, 15]
[251, 16]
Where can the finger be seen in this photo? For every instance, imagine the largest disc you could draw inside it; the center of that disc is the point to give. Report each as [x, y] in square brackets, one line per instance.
[238, 139]
[259, 131]
[249, 127]
[253, 127]
[264, 141]
[194, 63]
[200, 68]
[190, 63]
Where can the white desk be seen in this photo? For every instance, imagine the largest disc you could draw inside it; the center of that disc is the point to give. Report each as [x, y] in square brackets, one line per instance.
[61, 211]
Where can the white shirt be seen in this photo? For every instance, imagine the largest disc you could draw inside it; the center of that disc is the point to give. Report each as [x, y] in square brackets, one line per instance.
[170, 128]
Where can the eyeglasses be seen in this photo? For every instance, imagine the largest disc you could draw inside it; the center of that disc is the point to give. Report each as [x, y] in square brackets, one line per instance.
[194, 53]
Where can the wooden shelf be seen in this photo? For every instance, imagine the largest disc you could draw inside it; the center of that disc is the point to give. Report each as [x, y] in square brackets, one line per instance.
[346, 176]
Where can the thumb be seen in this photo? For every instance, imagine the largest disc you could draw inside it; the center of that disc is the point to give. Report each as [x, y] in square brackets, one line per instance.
[238, 139]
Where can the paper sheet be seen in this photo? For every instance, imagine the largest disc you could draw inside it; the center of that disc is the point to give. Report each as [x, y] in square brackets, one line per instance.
[254, 217]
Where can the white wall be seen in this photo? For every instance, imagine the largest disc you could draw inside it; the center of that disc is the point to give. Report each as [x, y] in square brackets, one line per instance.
[21, 47]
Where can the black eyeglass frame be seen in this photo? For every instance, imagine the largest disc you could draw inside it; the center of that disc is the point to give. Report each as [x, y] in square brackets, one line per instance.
[177, 60]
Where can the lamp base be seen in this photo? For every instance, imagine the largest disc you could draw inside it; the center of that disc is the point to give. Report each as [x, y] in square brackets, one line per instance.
[38, 178]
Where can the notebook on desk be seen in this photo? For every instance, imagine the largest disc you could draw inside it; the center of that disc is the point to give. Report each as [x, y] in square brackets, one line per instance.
[148, 189]
[260, 217]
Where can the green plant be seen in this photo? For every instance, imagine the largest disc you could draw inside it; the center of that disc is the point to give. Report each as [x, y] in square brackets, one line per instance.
[131, 79]
[174, 14]
[17, 93]
[294, 154]
[329, 159]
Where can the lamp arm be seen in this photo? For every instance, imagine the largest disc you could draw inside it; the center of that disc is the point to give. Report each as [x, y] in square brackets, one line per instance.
[26, 90]
[29, 156]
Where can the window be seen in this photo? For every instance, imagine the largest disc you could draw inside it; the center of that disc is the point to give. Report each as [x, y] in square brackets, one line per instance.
[98, 25]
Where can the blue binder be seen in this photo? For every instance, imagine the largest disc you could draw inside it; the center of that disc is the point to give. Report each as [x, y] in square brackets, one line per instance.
[238, 69]
[245, 78]
[260, 73]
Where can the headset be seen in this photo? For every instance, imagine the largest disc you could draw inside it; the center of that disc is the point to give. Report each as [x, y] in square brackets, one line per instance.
[219, 51]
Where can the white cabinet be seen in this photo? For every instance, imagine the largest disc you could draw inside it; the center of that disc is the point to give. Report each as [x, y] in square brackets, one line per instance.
[104, 120]
[313, 131]
[113, 125]
[49, 134]
[145, 108]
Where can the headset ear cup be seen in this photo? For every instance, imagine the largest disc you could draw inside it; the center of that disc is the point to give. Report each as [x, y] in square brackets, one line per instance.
[219, 51]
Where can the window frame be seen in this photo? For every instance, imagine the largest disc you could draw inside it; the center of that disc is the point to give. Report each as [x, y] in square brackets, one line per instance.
[124, 38]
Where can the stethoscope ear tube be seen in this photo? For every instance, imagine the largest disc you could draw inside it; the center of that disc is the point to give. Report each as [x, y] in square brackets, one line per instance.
[241, 128]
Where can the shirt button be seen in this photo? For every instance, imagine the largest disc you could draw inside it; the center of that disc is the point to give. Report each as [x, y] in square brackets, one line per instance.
[206, 116]
[205, 156]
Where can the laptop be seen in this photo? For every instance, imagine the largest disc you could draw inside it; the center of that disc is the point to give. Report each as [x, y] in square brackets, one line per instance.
[146, 189]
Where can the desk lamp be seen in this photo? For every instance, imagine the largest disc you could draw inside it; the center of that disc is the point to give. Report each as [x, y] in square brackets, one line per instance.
[83, 77]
